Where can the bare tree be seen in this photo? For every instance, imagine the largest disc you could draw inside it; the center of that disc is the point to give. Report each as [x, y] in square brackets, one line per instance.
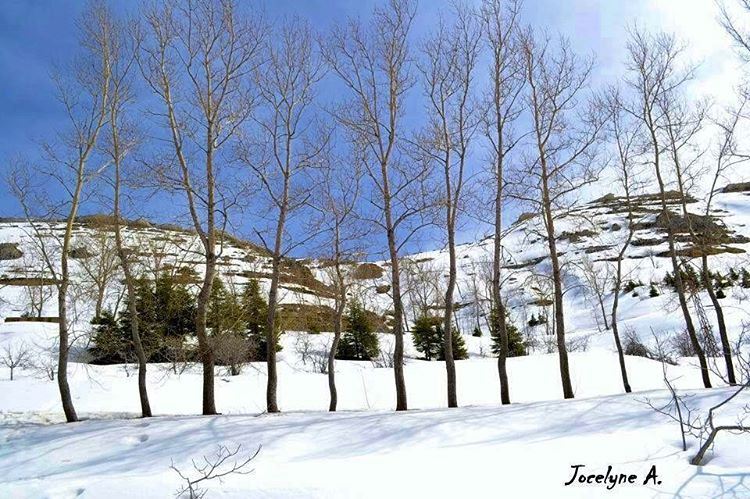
[656, 81]
[14, 356]
[421, 286]
[625, 131]
[101, 265]
[567, 129]
[287, 147]
[735, 27]
[38, 292]
[598, 282]
[121, 139]
[339, 190]
[504, 106]
[84, 96]
[448, 63]
[727, 154]
[373, 62]
[197, 60]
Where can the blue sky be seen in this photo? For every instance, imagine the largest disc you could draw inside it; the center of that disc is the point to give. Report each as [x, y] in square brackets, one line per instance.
[37, 34]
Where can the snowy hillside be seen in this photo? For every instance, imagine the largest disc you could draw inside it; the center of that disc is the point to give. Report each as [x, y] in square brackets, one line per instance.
[589, 239]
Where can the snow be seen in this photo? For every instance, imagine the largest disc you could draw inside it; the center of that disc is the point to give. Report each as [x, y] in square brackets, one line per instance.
[366, 449]
[522, 450]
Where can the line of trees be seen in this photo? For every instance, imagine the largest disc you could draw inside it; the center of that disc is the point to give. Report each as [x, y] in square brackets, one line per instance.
[210, 104]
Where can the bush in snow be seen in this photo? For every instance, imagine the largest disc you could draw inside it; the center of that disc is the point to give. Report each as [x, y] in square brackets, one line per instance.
[222, 463]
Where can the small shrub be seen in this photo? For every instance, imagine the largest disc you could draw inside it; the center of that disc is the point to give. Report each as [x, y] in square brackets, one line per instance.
[634, 346]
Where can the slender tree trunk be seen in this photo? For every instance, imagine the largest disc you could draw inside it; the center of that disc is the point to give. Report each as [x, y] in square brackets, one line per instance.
[450, 364]
[398, 308]
[204, 295]
[600, 298]
[499, 307]
[615, 328]
[679, 284]
[129, 284]
[62, 305]
[62, 356]
[337, 328]
[725, 345]
[271, 387]
[559, 324]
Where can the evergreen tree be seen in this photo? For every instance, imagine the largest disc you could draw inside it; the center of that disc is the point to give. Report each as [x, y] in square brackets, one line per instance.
[533, 321]
[255, 310]
[733, 275]
[653, 291]
[226, 315]
[477, 333]
[516, 345]
[745, 278]
[457, 343]
[166, 309]
[426, 338]
[359, 341]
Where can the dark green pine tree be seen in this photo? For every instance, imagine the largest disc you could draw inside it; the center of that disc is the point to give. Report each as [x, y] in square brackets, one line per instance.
[733, 275]
[516, 345]
[359, 340]
[255, 310]
[425, 337]
[745, 278]
[226, 315]
[457, 343]
[166, 308]
[109, 345]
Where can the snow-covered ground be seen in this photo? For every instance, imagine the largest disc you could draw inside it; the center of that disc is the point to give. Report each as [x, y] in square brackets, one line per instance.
[366, 450]
[522, 450]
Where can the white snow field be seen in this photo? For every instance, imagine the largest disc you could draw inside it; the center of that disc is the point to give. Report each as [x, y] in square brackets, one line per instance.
[365, 450]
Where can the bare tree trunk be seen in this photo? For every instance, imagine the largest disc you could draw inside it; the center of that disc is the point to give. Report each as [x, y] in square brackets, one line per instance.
[676, 268]
[506, 71]
[337, 328]
[450, 363]
[657, 83]
[132, 305]
[272, 376]
[562, 350]
[726, 347]
[117, 156]
[615, 328]
[398, 309]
